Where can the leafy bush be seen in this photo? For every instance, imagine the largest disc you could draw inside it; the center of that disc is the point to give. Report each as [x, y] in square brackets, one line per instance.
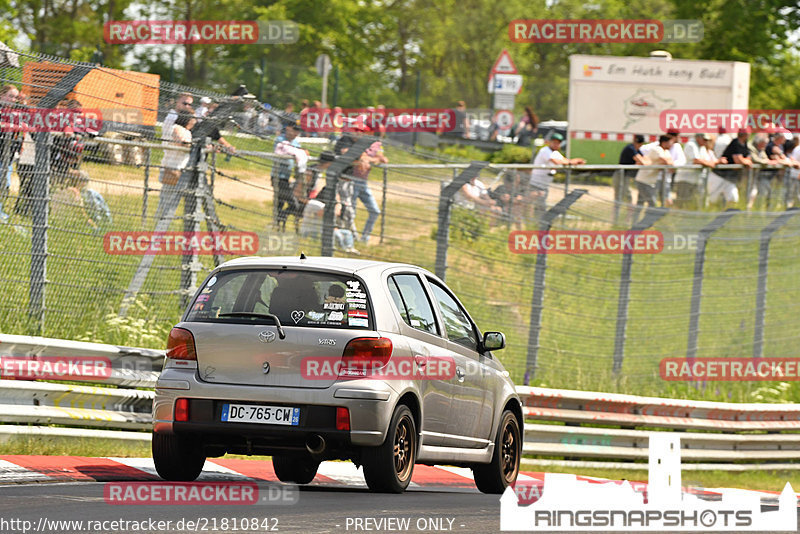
[467, 225]
[464, 152]
[512, 153]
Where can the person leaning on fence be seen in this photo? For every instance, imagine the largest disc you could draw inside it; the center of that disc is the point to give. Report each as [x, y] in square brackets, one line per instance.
[762, 188]
[718, 188]
[509, 197]
[647, 179]
[475, 195]
[542, 178]
[284, 203]
[630, 155]
[792, 148]
[737, 153]
[688, 181]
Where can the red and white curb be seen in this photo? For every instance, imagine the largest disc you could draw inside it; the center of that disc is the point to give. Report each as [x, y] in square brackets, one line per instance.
[16, 469]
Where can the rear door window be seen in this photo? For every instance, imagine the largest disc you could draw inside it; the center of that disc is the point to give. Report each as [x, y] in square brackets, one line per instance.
[298, 298]
[412, 302]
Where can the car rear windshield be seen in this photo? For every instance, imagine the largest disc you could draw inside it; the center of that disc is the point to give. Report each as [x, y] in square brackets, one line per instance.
[298, 298]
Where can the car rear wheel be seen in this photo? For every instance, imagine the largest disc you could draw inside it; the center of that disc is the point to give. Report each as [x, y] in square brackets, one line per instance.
[388, 467]
[496, 476]
[177, 458]
[295, 469]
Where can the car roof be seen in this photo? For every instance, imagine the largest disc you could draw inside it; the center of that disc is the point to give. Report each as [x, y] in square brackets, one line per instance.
[349, 265]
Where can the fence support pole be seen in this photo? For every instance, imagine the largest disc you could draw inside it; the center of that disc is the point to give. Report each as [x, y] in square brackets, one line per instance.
[383, 202]
[443, 219]
[697, 282]
[650, 217]
[749, 186]
[535, 323]
[761, 290]
[41, 210]
[146, 186]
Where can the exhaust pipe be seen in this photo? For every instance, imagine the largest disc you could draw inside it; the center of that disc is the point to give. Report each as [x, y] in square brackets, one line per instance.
[315, 444]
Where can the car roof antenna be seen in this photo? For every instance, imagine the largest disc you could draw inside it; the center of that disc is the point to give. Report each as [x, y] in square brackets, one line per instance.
[302, 255]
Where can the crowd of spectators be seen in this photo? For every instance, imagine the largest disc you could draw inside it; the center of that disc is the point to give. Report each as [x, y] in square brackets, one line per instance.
[770, 157]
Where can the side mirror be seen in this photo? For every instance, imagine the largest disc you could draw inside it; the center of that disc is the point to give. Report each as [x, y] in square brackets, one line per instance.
[494, 340]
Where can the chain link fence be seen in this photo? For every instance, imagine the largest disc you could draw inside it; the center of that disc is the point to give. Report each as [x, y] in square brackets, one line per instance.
[76, 204]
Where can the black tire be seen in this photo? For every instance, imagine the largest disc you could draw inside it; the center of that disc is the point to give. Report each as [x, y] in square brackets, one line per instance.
[389, 466]
[177, 458]
[496, 476]
[296, 469]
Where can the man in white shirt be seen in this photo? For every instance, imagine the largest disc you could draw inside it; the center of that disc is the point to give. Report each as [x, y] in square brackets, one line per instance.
[182, 105]
[688, 180]
[717, 186]
[723, 140]
[647, 179]
[203, 110]
[542, 178]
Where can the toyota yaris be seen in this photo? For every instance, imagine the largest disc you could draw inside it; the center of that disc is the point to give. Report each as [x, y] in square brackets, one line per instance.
[312, 359]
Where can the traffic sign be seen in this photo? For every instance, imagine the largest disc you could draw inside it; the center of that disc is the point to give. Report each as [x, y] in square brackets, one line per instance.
[503, 65]
[506, 83]
[503, 101]
[504, 119]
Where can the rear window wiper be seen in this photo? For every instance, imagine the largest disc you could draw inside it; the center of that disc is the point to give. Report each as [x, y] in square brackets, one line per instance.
[259, 316]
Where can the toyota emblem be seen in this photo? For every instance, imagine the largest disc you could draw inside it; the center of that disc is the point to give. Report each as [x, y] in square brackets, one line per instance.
[266, 336]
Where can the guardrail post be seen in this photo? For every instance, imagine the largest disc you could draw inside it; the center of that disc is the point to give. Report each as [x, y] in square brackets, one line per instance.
[650, 217]
[336, 168]
[191, 225]
[535, 323]
[697, 282]
[383, 201]
[749, 186]
[443, 219]
[567, 177]
[39, 223]
[761, 290]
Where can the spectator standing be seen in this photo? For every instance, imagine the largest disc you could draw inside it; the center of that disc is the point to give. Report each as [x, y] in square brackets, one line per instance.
[527, 128]
[183, 104]
[738, 153]
[286, 144]
[687, 181]
[509, 197]
[630, 155]
[171, 175]
[762, 189]
[719, 187]
[723, 140]
[475, 195]
[203, 109]
[10, 144]
[461, 123]
[647, 179]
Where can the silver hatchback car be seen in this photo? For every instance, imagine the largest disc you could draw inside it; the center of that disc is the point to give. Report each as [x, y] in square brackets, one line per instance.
[312, 359]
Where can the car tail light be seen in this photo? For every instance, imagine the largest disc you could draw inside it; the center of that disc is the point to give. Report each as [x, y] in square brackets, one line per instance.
[180, 345]
[342, 418]
[365, 353]
[182, 410]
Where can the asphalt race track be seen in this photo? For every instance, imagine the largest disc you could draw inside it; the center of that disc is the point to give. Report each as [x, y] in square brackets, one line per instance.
[42, 489]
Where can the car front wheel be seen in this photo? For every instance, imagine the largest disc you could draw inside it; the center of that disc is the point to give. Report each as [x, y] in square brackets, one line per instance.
[388, 467]
[496, 476]
[177, 458]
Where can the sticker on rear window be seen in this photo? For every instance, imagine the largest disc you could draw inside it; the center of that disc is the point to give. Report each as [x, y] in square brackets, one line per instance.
[315, 316]
[212, 281]
[297, 316]
[357, 321]
[354, 285]
[336, 316]
[357, 305]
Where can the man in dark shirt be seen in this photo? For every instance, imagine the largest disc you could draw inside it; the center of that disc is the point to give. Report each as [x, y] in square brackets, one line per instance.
[629, 156]
[737, 152]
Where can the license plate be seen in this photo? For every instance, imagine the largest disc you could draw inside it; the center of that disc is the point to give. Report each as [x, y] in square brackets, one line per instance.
[268, 415]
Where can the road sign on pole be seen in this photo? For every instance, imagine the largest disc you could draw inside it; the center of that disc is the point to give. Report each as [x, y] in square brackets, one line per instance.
[506, 83]
[503, 65]
[504, 119]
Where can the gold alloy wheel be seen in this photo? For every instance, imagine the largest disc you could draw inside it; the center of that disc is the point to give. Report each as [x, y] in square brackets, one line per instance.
[404, 448]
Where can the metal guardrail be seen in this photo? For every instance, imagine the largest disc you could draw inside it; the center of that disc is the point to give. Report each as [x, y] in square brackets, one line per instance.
[617, 428]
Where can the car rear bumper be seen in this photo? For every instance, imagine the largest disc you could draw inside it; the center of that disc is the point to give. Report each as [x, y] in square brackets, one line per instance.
[369, 403]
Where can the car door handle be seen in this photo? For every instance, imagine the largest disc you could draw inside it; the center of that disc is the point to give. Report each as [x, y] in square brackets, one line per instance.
[460, 373]
[421, 361]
